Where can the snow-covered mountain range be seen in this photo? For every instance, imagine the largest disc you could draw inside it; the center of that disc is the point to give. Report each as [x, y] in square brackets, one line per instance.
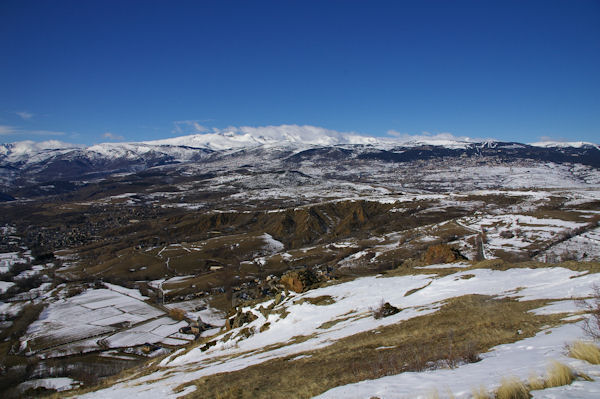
[273, 147]
[285, 136]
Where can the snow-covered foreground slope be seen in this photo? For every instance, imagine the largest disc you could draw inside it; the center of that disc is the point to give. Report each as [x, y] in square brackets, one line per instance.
[529, 357]
[348, 310]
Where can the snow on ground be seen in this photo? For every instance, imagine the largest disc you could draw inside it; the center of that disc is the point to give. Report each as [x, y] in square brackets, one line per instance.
[585, 246]
[8, 259]
[59, 384]
[445, 266]
[90, 314]
[152, 332]
[350, 261]
[130, 292]
[530, 356]
[352, 310]
[272, 244]
[471, 177]
[5, 285]
[517, 232]
[10, 309]
[199, 308]
[7, 230]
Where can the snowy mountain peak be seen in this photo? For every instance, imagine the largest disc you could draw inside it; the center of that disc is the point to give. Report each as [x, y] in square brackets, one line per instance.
[283, 135]
[563, 144]
[25, 150]
[306, 136]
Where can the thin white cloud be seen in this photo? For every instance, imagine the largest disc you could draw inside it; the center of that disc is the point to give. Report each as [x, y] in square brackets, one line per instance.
[188, 127]
[244, 136]
[554, 139]
[236, 136]
[430, 137]
[6, 130]
[24, 115]
[112, 136]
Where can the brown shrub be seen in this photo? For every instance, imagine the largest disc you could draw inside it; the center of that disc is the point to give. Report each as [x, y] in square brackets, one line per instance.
[384, 310]
[177, 314]
[441, 253]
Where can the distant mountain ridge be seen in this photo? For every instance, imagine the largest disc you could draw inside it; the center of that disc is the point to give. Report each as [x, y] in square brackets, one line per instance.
[27, 163]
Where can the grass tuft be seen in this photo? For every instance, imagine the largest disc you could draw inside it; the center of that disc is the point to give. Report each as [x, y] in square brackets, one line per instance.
[558, 375]
[586, 351]
[512, 388]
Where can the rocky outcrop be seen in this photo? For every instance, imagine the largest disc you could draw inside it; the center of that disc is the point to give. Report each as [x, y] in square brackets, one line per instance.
[239, 319]
[299, 281]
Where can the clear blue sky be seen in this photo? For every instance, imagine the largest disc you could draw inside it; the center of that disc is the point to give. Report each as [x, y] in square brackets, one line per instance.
[75, 70]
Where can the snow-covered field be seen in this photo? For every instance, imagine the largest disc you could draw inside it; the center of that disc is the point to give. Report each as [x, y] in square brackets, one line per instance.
[198, 308]
[351, 310]
[582, 247]
[58, 384]
[10, 258]
[516, 233]
[116, 316]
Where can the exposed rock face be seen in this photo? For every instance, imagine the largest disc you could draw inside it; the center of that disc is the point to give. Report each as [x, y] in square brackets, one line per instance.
[441, 253]
[299, 281]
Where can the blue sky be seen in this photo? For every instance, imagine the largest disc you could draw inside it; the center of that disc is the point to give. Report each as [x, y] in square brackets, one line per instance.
[93, 71]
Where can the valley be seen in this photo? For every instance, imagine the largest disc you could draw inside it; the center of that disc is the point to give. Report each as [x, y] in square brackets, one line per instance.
[180, 270]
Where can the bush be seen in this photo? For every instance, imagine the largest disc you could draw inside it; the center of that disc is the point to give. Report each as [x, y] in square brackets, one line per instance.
[441, 253]
[72, 291]
[29, 283]
[384, 310]
[591, 324]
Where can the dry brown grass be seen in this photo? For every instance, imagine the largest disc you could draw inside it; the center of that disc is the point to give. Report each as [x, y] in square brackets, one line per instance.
[460, 330]
[558, 375]
[586, 351]
[512, 388]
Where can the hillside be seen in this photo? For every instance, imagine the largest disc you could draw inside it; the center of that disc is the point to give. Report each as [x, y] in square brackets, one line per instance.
[296, 262]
